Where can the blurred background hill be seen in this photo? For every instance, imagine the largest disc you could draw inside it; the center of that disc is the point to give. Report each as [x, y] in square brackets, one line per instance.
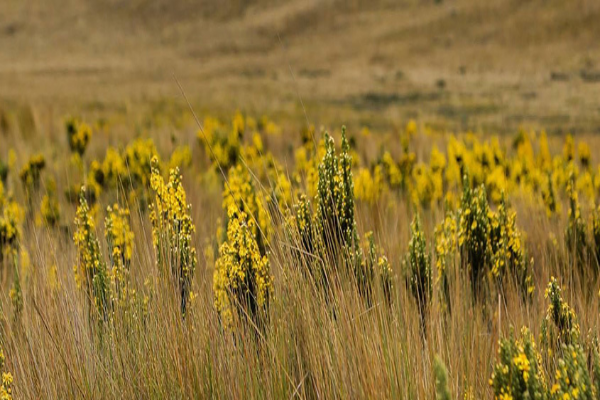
[456, 64]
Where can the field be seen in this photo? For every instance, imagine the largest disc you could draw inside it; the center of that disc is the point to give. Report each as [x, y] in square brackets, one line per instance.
[299, 199]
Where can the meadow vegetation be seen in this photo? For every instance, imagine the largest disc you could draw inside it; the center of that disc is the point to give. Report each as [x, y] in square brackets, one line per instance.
[246, 259]
[240, 242]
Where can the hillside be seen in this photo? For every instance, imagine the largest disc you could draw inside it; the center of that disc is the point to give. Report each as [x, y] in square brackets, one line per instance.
[495, 65]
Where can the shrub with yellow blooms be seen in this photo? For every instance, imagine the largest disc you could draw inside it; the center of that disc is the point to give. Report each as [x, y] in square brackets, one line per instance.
[172, 230]
[113, 167]
[549, 197]
[139, 163]
[11, 218]
[369, 187]
[445, 250]
[240, 194]
[575, 235]
[181, 157]
[303, 225]
[6, 385]
[560, 324]
[223, 144]
[572, 378]
[379, 266]
[30, 178]
[242, 280]
[474, 235]
[50, 208]
[418, 269]
[90, 269]
[508, 254]
[518, 373]
[78, 135]
[335, 201]
[119, 239]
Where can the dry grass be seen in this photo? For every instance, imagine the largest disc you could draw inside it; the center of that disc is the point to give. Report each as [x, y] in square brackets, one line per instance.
[460, 64]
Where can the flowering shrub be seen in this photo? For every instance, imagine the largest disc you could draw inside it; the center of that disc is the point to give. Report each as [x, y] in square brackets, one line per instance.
[303, 224]
[90, 270]
[335, 201]
[445, 249]
[474, 235]
[518, 373]
[222, 144]
[508, 255]
[31, 171]
[242, 281]
[78, 135]
[367, 187]
[549, 197]
[572, 377]
[239, 194]
[30, 177]
[418, 269]
[7, 380]
[113, 167]
[11, 217]
[575, 235]
[172, 230]
[141, 158]
[50, 208]
[119, 238]
[181, 157]
[560, 324]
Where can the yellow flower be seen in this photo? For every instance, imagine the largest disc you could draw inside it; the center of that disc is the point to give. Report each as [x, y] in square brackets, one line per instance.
[172, 230]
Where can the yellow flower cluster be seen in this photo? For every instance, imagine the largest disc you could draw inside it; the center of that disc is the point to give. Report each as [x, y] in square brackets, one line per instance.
[335, 199]
[239, 194]
[11, 217]
[572, 377]
[508, 254]
[369, 187]
[242, 281]
[7, 380]
[445, 242]
[528, 168]
[113, 167]
[474, 238]
[575, 234]
[418, 268]
[172, 230]
[518, 374]
[445, 248]
[119, 238]
[139, 157]
[78, 135]
[560, 324]
[181, 157]
[90, 270]
[222, 144]
[50, 208]
[30, 177]
[307, 159]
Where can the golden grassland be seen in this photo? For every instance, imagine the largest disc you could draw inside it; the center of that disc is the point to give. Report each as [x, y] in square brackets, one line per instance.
[445, 245]
[250, 260]
[492, 66]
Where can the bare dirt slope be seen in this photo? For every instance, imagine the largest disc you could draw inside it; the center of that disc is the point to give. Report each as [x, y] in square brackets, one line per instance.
[495, 65]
